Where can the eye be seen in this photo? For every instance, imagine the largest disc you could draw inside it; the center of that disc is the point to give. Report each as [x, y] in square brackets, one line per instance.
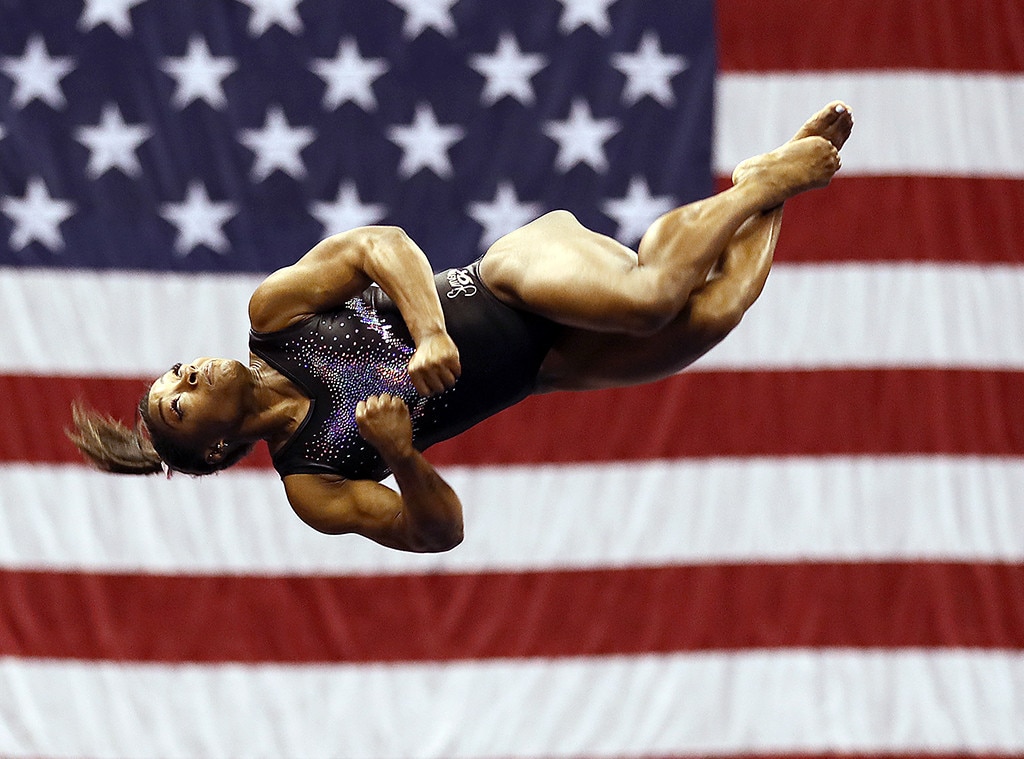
[176, 369]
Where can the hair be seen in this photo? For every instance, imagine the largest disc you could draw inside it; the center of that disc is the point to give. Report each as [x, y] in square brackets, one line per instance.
[112, 446]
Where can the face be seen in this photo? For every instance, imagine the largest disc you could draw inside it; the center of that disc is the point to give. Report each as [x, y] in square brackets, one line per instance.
[200, 400]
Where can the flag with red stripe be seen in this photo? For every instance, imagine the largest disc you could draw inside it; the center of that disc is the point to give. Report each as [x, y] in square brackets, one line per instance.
[809, 544]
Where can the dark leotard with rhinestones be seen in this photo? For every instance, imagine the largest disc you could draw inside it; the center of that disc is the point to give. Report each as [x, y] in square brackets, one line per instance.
[340, 358]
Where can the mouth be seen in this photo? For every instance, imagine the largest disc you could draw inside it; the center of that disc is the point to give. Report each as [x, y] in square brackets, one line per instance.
[208, 372]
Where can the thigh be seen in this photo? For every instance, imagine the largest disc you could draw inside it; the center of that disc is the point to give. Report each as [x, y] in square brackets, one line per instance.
[558, 268]
[585, 360]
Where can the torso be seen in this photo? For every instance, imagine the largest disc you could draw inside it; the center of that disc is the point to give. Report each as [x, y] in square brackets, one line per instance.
[340, 358]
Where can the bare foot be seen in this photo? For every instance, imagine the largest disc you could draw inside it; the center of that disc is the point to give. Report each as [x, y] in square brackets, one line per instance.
[834, 123]
[797, 166]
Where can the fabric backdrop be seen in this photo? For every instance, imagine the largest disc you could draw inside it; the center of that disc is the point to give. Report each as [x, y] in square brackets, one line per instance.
[810, 544]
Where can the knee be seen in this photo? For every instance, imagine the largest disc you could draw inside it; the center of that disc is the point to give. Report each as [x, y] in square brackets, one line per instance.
[713, 312]
[650, 311]
[650, 301]
[663, 229]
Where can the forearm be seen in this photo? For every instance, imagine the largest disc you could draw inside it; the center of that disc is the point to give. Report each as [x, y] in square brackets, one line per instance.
[431, 516]
[401, 269]
[392, 260]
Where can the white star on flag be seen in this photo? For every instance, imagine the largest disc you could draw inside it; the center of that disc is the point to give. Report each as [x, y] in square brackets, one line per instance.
[648, 71]
[199, 75]
[637, 211]
[347, 211]
[199, 220]
[349, 76]
[277, 145]
[508, 71]
[37, 216]
[112, 143]
[581, 138]
[425, 143]
[502, 215]
[37, 75]
[593, 13]
[424, 14]
[113, 13]
[266, 13]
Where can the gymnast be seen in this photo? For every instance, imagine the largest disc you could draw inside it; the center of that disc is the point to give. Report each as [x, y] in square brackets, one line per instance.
[360, 357]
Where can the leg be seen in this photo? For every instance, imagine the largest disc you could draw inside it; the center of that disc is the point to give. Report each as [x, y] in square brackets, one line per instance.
[556, 267]
[586, 360]
[715, 308]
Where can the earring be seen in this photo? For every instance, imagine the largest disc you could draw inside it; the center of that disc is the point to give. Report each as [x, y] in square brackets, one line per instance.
[217, 451]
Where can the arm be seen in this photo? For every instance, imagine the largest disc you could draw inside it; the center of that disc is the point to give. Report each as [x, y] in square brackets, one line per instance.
[425, 516]
[340, 268]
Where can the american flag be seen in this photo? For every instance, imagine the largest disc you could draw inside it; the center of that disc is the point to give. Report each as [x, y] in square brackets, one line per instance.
[811, 544]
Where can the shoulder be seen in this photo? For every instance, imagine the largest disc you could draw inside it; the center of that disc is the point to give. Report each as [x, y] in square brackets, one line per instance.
[331, 272]
[273, 305]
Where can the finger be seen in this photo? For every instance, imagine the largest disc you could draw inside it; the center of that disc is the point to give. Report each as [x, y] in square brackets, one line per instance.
[430, 381]
[374, 403]
[398, 406]
[447, 377]
[433, 385]
[420, 383]
[444, 378]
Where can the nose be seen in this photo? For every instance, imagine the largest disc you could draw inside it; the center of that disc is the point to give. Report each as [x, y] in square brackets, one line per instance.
[189, 375]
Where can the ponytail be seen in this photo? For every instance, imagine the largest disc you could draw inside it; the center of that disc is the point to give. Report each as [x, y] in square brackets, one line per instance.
[112, 446]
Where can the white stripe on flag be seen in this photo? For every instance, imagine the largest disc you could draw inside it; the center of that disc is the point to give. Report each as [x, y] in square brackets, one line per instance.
[529, 517]
[809, 316]
[859, 315]
[117, 323]
[913, 122]
[751, 702]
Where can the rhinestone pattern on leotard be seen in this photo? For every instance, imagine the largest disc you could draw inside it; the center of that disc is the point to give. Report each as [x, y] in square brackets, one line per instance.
[365, 358]
[364, 348]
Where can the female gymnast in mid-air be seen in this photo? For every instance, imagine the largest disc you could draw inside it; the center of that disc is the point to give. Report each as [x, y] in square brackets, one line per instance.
[360, 357]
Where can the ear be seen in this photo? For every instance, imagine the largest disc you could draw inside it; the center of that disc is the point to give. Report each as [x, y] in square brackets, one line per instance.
[216, 452]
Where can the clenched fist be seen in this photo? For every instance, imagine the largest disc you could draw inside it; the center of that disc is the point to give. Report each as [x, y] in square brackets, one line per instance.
[384, 423]
[435, 365]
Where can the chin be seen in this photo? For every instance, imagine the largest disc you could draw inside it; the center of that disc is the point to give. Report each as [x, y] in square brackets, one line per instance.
[229, 367]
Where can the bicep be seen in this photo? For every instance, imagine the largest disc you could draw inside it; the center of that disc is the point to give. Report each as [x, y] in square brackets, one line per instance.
[332, 272]
[360, 507]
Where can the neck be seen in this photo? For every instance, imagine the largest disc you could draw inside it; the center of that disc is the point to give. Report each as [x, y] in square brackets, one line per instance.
[279, 405]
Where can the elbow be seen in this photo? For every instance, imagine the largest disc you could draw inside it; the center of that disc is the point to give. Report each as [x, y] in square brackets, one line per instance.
[386, 239]
[387, 249]
[440, 538]
[455, 538]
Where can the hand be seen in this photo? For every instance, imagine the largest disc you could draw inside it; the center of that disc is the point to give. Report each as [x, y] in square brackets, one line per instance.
[384, 422]
[435, 365]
